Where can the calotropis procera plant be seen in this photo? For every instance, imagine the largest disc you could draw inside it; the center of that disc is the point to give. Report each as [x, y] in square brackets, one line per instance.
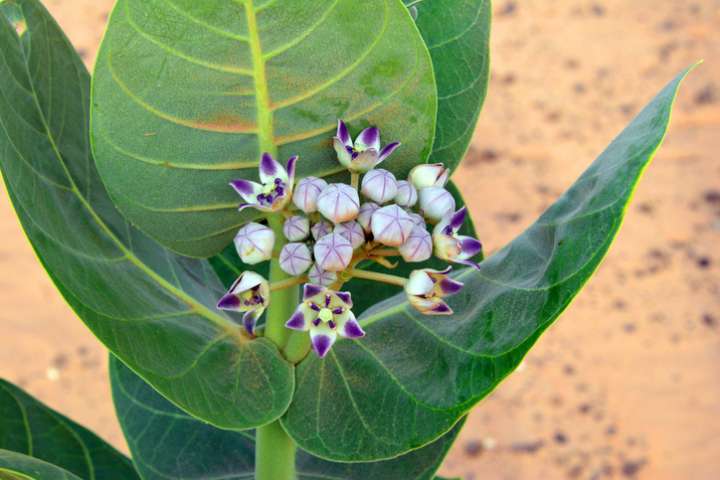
[275, 285]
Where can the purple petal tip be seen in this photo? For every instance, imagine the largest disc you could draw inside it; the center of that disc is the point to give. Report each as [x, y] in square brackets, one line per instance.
[296, 322]
[228, 302]
[450, 287]
[249, 321]
[242, 186]
[353, 330]
[321, 344]
[346, 297]
[267, 165]
[310, 290]
[342, 133]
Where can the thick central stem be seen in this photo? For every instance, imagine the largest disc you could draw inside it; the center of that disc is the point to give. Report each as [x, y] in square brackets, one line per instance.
[274, 449]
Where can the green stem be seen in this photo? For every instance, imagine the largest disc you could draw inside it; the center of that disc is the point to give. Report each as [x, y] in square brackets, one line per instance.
[274, 449]
[282, 301]
[274, 453]
[354, 180]
[378, 277]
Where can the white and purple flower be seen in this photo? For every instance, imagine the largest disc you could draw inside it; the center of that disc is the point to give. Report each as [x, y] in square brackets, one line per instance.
[250, 293]
[452, 247]
[364, 153]
[274, 191]
[326, 315]
[426, 288]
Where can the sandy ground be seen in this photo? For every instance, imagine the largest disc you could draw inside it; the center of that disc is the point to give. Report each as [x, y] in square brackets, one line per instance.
[627, 384]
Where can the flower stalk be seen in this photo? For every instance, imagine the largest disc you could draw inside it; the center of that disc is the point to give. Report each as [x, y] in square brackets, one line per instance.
[378, 277]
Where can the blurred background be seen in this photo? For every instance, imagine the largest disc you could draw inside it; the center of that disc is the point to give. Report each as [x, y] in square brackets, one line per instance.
[627, 383]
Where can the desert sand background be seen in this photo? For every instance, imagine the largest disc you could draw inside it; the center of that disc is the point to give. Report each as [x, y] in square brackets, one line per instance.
[627, 383]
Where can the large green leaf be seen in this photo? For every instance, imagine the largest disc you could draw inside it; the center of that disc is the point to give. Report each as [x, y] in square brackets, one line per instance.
[187, 94]
[457, 33]
[16, 466]
[153, 309]
[413, 376]
[31, 428]
[167, 443]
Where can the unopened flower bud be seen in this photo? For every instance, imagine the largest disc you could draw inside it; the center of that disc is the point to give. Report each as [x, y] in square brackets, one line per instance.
[320, 229]
[436, 203]
[418, 219]
[426, 288]
[365, 216]
[322, 277]
[296, 228]
[407, 195]
[353, 232]
[254, 243]
[391, 226]
[295, 258]
[333, 252]
[339, 203]
[429, 175]
[307, 192]
[379, 186]
[418, 247]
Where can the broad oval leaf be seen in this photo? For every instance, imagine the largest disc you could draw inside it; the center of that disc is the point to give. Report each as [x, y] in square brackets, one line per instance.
[457, 34]
[187, 94]
[31, 428]
[413, 376]
[168, 443]
[16, 466]
[152, 308]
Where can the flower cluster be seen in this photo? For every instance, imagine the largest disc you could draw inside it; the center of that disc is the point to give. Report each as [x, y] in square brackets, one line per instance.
[330, 228]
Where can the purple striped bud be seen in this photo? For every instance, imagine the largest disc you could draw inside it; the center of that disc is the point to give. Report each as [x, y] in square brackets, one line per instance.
[296, 228]
[353, 232]
[333, 252]
[407, 195]
[436, 203]
[391, 226]
[318, 276]
[307, 192]
[254, 243]
[295, 258]
[365, 216]
[379, 186]
[320, 229]
[429, 175]
[339, 203]
[418, 219]
[418, 247]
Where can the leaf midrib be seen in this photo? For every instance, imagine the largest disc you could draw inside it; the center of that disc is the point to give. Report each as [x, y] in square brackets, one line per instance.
[196, 306]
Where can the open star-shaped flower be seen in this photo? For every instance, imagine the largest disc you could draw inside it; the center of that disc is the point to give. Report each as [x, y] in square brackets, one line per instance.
[275, 189]
[364, 153]
[452, 247]
[326, 315]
